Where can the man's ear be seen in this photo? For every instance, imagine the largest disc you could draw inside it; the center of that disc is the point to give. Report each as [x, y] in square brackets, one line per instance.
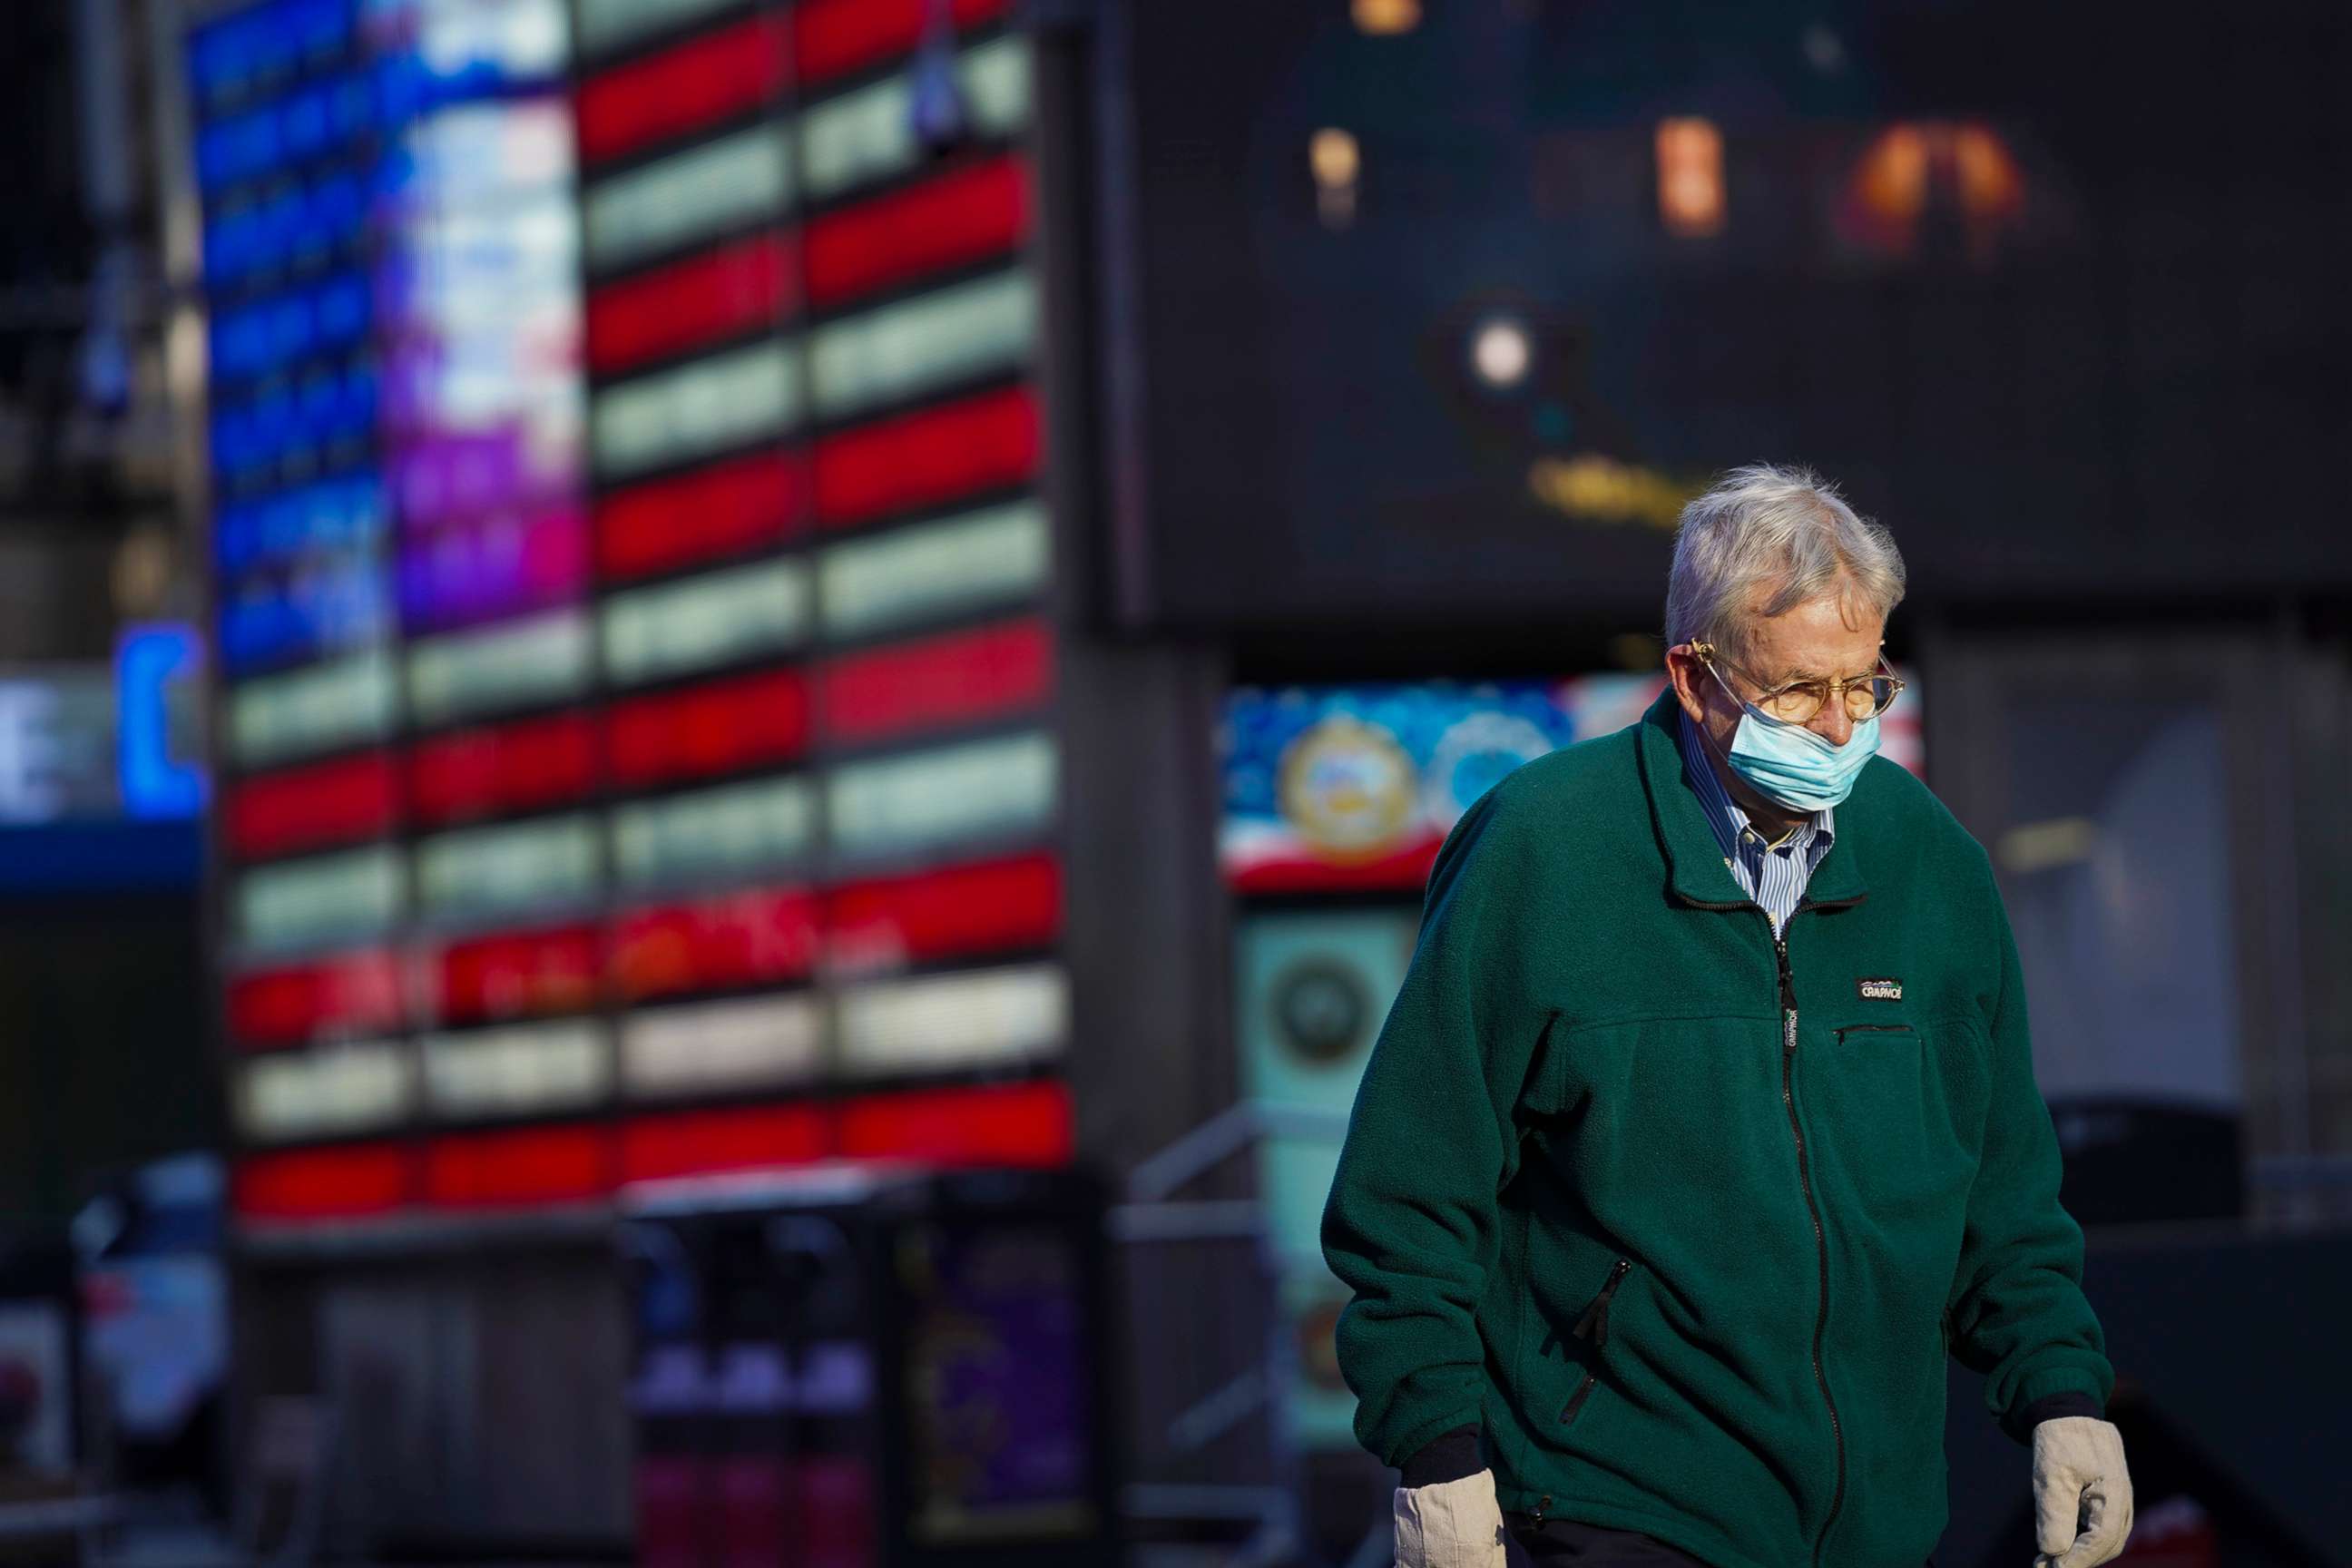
[1684, 670]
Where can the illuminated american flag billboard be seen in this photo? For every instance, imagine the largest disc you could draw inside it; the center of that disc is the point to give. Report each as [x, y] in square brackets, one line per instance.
[636, 688]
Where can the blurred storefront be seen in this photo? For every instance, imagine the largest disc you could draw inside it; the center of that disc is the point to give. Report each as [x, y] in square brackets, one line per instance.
[915, 582]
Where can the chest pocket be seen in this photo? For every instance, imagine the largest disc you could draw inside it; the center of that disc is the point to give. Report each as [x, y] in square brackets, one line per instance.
[1898, 1106]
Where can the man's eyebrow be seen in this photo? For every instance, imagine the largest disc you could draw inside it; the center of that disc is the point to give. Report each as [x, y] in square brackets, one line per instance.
[1790, 679]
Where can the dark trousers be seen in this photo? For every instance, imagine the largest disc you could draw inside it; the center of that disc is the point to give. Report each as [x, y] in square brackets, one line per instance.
[1570, 1540]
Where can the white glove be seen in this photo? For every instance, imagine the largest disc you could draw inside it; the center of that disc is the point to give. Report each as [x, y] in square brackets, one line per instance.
[1454, 1524]
[2082, 1492]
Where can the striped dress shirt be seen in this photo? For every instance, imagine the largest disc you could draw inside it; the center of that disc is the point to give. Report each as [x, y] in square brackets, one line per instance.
[1773, 875]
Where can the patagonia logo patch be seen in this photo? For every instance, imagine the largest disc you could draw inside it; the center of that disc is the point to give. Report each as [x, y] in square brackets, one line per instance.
[1880, 990]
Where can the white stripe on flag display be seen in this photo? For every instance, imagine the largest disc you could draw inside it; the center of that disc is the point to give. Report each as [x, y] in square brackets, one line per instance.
[605, 23]
[721, 616]
[521, 1070]
[713, 834]
[949, 567]
[507, 869]
[330, 898]
[324, 1092]
[711, 1046]
[341, 703]
[974, 1018]
[933, 340]
[689, 196]
[514, 664]
[935, 796]
[698, 408]
[868, 134]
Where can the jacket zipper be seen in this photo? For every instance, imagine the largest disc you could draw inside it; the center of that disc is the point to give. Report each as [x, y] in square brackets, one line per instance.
[1594, 1326]
[1872, 1029]
[1821, 1238]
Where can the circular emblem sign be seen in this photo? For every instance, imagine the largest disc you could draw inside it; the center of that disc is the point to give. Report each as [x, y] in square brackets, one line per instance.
[1475, 752]
[1347, 788]
[1321, 1010]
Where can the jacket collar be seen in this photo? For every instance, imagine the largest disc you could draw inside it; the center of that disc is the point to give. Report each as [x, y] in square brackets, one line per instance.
[1694, 865]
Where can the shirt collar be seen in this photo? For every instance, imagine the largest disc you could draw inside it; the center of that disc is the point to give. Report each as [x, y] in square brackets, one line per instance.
[1727, 817]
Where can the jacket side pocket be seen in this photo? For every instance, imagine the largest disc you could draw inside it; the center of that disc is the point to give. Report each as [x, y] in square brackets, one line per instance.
[1592, 1327]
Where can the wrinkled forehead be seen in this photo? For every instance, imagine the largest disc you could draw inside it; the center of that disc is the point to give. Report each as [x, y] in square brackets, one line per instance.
[1821, 639]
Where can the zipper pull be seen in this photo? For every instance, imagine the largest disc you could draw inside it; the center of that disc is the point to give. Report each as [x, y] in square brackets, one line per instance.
[1594, 1325]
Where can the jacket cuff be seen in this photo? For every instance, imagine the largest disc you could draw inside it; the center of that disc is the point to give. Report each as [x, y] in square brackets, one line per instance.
[1448, 1457]
[2025, 1418]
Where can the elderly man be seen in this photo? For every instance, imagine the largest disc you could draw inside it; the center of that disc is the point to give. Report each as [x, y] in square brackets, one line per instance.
[1705, 1125]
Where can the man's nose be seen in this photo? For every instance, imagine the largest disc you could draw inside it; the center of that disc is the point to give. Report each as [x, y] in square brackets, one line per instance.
[1831, 724]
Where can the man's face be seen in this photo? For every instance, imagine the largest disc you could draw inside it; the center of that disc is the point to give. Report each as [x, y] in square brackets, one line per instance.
[1819, 638]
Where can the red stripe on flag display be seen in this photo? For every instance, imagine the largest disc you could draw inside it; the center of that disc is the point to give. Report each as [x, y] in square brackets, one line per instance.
[527, 1165]
[727, 292]
[507, 767]
[702, 1142]
[324, 1183]
[927, 459]
[694, 84]
[961, 679]
[718, 728]
[966, 216]
[351, 994]
[836, 36]
[1013, 1124]
[988, 906]
[719, 510]
[759, 938]
[518, 974]
[311, 808]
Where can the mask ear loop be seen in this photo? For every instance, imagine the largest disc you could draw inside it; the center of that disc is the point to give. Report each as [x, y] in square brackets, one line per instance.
[1706, 738]
[1707, 659]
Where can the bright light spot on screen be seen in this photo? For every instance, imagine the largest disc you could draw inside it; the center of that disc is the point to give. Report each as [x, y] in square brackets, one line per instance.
[1335, 158]
[1500, 352]
[1387, 16]
[1991, 184]
[1690, 177]
[1335, 161]
[1913, 169]
[1892, 179]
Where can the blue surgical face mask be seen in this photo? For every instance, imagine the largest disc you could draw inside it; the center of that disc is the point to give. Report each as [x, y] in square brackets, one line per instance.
[1792, 766]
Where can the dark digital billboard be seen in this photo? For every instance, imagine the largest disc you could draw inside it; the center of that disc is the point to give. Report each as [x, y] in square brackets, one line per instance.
[1439, 313]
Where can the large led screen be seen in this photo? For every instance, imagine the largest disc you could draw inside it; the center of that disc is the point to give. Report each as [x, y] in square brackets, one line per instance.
[1443, 319]
[637, 698]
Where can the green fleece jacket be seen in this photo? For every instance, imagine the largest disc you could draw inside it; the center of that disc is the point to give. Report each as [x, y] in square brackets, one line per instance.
[1685, 1219]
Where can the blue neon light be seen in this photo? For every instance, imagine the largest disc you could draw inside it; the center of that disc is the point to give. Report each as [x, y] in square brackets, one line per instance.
[345, 513]
[328, 317]
[328, 406]
[290, 224]
[153, 666]
[329, 606]
[231, 59]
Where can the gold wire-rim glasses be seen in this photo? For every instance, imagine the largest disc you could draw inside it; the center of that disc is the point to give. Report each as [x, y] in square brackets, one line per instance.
[1797, 701]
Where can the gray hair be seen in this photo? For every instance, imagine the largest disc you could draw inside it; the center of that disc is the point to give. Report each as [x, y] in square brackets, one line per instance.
[1765, 539]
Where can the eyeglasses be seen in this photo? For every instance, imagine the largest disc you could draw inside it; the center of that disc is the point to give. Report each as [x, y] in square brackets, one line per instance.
[1797, 701]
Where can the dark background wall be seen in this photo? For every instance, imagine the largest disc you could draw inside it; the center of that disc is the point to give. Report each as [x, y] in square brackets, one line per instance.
[101, 1049]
